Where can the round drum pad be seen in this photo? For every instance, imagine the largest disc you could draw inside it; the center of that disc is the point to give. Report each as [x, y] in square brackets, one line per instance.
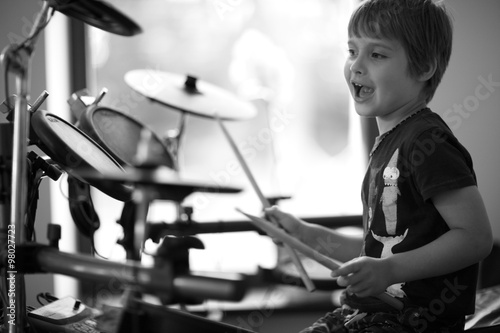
[120, 134]
[74, 151]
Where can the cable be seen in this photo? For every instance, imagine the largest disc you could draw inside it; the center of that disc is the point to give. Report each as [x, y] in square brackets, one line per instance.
[94, 250]
[6, 79]
[16, 49]
[38, 299]
[3, 289]
[94, 229]
[34, 180]
[90, 215]
[48, 297]
[3, 292]
[37, 31]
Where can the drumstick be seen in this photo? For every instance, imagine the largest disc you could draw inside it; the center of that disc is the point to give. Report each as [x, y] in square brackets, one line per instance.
[243, 164]
[303, 274]
[286, 238]
[327, 262]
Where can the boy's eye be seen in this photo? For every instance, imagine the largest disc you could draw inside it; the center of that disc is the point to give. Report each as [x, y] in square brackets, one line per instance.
[351, 52]
[378, 55]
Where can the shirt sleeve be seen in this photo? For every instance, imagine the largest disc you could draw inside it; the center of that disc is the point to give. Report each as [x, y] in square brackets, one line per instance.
[440, 163]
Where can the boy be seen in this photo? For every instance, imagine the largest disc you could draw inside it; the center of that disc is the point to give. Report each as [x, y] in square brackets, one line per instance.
[425, 224]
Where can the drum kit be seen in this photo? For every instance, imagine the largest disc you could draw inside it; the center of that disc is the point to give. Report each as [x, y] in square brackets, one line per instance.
[136, 168]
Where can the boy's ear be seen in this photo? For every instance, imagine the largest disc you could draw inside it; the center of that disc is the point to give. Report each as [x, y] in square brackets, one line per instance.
[431, 69]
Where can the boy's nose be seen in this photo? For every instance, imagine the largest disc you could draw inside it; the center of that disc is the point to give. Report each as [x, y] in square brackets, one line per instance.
[357, 66]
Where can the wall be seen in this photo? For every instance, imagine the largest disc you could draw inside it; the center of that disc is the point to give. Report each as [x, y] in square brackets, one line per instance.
[469, 104]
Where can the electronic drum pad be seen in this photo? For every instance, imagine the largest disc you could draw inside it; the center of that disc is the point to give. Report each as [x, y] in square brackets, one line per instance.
[119, 134]
[75, 151]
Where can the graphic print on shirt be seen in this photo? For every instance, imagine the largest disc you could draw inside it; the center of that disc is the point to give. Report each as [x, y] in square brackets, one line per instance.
[389, 203]
[389, 242]
[372, 198]
[390, 194]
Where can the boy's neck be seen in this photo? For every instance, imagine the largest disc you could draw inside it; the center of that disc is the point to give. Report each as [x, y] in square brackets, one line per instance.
[388, 122]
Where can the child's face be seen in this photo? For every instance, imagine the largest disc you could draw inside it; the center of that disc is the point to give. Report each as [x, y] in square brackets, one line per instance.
[376, 71]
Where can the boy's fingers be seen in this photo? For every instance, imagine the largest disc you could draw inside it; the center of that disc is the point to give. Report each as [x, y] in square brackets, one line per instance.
[349, 280]
[346, 269]
[342, 281]
[271, 211]
[359, 291]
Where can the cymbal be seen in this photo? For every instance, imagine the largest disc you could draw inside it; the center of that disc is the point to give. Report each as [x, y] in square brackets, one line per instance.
[188, 94]
[98, 14]
[166, 183]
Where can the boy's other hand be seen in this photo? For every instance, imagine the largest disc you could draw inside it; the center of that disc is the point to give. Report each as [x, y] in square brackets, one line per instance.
[287, 221]
[364, 276]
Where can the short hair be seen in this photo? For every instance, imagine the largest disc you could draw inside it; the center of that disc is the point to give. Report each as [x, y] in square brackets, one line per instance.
[423, 27]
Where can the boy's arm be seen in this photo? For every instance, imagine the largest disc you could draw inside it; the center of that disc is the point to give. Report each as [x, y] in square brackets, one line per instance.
[467, 242]
[324, 240]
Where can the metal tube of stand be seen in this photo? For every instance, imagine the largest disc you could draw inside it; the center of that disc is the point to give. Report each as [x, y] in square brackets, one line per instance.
[5, 183]
[142, 200]
[19, 59]
[157, 280]
[92, 269]
[174, 140]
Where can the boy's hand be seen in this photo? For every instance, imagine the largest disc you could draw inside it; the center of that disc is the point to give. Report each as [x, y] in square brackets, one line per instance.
[287, 221]
[364, 276]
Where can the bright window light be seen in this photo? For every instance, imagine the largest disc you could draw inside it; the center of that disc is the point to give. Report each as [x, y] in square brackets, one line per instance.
[284, 57]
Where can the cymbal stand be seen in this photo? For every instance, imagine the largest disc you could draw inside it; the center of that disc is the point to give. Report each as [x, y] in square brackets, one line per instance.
[173, 142]
[133, 221]
[174, 138]
[17, 58]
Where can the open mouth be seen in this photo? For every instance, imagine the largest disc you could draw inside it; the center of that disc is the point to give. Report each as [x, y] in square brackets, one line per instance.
[361, 91]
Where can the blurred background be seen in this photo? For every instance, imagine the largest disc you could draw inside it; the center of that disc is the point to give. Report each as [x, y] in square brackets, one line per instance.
[285, 58]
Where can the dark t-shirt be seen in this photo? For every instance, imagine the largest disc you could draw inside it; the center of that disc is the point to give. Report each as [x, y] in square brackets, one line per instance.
[418, 160]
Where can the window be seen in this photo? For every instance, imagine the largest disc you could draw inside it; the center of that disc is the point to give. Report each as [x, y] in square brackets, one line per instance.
[286, 58]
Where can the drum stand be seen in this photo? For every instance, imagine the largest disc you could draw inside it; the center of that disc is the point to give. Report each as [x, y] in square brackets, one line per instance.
[32, 257]
[17, 58]
[174, 138]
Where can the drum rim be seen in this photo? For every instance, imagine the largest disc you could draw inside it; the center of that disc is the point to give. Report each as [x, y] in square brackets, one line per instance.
[87, 124]
[49, 142]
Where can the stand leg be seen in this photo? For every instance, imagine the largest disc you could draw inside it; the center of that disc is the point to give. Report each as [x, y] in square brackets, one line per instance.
[174, 140]
[18, 59]
[133, 221]
[19, 193]
[141, 200]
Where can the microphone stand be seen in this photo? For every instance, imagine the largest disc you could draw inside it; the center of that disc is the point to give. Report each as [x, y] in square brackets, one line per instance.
[17, 58]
